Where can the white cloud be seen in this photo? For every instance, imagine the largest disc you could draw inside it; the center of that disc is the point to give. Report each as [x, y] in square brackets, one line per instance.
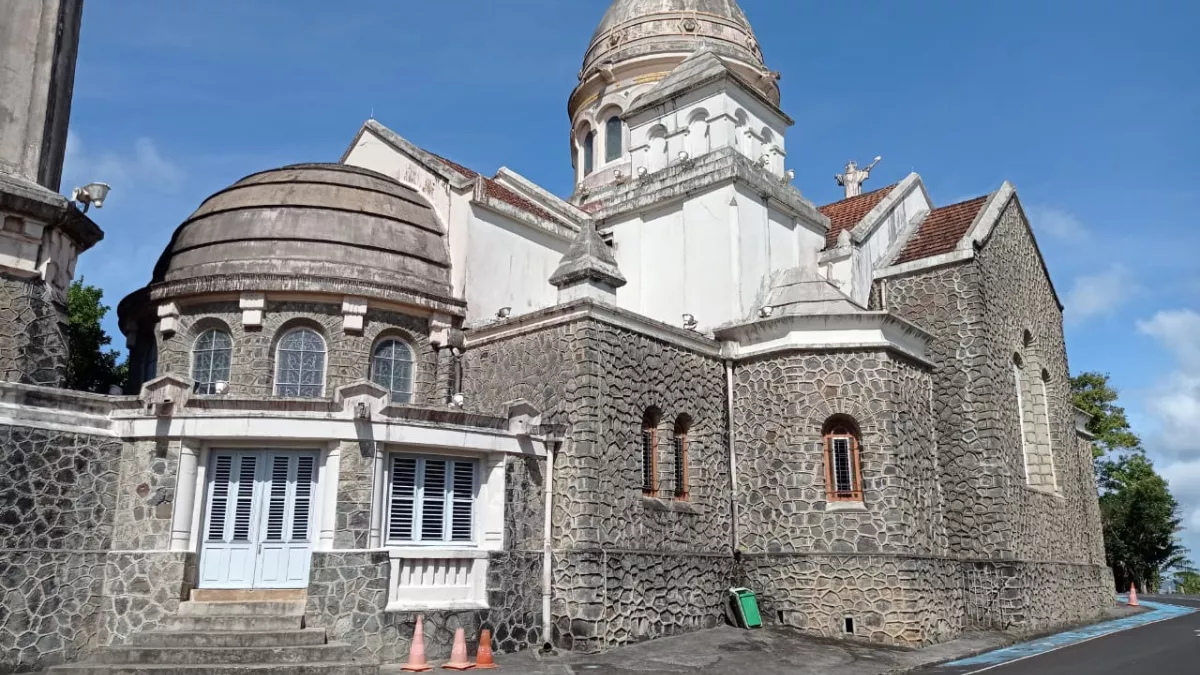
[1100, 294]
[1057, 223]
[1174, 401]
[131, 172]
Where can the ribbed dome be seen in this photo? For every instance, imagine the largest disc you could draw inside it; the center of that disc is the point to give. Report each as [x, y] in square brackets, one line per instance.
[315, 221]
[635, 28]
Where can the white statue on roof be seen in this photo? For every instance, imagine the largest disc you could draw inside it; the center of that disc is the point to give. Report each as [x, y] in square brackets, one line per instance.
[854, 177]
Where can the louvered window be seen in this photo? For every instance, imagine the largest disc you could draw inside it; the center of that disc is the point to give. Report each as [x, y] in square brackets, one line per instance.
[431, 500]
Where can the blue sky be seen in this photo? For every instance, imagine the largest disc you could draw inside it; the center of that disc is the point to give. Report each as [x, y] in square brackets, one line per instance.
[1088, 106]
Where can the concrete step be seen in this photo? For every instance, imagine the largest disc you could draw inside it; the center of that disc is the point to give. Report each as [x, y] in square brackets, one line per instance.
[232, 623]
[237, 638]
[249, 595]
[193, 608]
[345, 668]
[330, 653]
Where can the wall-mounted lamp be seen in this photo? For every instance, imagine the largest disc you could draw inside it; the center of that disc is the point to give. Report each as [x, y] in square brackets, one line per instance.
[92, 193]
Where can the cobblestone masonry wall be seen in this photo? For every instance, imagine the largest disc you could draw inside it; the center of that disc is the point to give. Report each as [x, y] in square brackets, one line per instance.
[252, 372]
[356, 476]
[979, 312]
[57, 495]
[781, 405]
[33, 344]
[141, 588]
[620, 556]
[347, 595]
[146, 495]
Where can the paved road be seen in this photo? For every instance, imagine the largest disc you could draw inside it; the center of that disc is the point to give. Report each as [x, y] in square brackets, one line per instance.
[1167, 648]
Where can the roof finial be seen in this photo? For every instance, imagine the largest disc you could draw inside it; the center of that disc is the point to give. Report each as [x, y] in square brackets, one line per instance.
[854, 177]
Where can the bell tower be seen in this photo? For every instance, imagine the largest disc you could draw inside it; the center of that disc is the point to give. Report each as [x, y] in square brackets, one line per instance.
[41, 232]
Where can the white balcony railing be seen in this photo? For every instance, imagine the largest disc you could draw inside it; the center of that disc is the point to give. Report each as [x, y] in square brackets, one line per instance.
[429, 579]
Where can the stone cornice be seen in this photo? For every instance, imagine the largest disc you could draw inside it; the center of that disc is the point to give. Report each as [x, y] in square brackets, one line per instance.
[856, 331]
[681, 179]
[145, 299]
[588, 309]
[35, 201]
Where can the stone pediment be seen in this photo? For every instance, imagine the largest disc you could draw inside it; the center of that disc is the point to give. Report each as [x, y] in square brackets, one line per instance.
[166, 394]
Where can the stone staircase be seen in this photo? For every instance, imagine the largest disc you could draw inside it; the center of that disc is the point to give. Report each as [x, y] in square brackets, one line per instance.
[250, 636]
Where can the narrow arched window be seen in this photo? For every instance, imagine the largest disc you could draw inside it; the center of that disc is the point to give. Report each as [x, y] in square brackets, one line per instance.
[613, 141]
[649, 445]
[589, 153]
[843, 473]
[211, 355]
[682, 425]
[150, 361]
[300, 365]
[392, 369]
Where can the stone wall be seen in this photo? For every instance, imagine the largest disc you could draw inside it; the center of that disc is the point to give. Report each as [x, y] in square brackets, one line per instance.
[348, 590]
[57, 497]
[348, 358]
[141, 588]
[982, 312]
[146, 495]
[33, 341]
[627, 567]
[781, 404]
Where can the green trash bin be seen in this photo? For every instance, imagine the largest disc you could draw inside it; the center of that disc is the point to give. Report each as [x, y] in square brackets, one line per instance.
[745, 607]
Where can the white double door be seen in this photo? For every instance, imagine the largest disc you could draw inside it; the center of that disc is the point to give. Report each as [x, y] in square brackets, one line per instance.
[258, 522]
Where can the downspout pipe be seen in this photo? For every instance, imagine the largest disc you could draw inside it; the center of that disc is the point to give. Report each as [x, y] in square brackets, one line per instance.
[733, 503]
[547, 546]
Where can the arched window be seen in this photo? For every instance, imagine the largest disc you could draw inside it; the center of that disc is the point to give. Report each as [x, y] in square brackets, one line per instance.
[589, 153]
[649, 444]
[392, 369]
[300, 364]
[739, 128]
[613, 141]
[682, 424]
[843, 472]
[211, 356]
[150, 361]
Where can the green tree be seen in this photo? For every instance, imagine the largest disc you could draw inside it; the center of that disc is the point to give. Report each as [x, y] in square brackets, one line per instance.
[1188, 582]
[1092, 393]
[92, 367]
[1141, 520]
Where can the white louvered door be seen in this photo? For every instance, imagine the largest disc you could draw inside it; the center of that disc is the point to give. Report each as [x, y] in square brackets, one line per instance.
[286, 524]
[258, 520]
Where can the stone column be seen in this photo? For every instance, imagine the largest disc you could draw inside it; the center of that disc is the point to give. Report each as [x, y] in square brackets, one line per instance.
[329, 491]
[185, 495]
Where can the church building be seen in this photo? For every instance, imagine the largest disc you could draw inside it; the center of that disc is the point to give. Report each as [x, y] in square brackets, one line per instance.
[392, 386]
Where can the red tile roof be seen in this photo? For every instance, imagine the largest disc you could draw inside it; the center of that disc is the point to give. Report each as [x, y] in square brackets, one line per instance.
[941, 230]
[498, 191]
[844, 215]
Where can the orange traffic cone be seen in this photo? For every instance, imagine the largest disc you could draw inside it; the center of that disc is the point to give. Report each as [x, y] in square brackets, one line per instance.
[416, 652]
[483, 657]
[458, 657]
[1133, 595]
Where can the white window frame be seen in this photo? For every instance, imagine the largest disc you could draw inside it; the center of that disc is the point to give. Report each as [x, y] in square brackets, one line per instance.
[196, 352]
[324, 361]
[418, 503]
[412, 369]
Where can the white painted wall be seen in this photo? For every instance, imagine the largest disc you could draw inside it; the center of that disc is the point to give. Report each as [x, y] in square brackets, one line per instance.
[730, 117]
[508, 264]
[872, 250]
[708, 255]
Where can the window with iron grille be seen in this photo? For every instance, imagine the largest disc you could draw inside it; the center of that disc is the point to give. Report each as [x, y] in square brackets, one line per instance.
[431, 500]
[300, 364]
[843, 473]
[681, 456]
[649, 442]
